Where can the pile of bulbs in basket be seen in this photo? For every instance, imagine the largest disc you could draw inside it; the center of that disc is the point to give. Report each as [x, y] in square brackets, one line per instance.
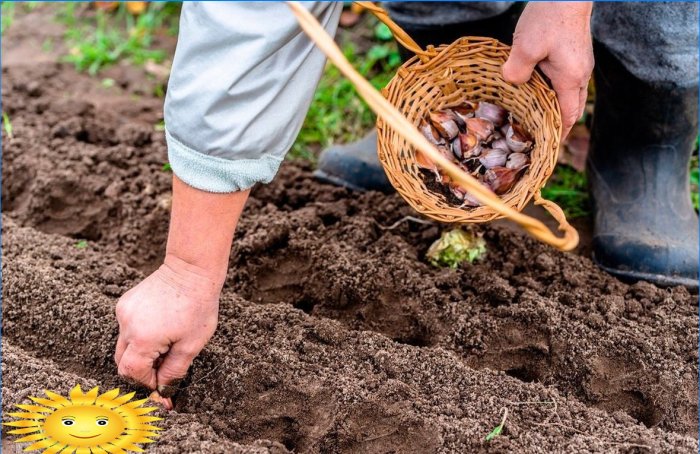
[484, 140]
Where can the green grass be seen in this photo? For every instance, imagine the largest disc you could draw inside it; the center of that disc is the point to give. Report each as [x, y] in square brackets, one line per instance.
[7, 11]
[106, 38]
[568, 189]
[496, 431]
[694, 182]
[7, 125]
[47, 45]
[337, 113]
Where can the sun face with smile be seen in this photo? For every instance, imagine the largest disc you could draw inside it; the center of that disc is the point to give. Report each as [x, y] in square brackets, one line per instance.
[85, 422]
[84, 426]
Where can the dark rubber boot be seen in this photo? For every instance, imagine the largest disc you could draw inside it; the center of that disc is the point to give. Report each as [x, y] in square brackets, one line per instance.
[641, 142]
[356, 165]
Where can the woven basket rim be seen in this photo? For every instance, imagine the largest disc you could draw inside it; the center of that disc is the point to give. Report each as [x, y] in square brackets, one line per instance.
[478, 52]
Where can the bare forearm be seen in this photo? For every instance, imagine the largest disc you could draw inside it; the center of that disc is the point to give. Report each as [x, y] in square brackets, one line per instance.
[172, 313]
[202, 225]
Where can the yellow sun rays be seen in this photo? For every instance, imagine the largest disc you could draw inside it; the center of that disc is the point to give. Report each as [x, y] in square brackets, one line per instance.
[84, 423]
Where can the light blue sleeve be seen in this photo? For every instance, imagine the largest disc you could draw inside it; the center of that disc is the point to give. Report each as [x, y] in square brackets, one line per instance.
[242, 80]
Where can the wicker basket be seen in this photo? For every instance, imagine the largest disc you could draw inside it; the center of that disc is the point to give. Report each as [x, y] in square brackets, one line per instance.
[468, 69]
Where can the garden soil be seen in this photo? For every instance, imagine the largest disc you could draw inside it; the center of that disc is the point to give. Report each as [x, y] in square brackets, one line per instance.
[334, 334]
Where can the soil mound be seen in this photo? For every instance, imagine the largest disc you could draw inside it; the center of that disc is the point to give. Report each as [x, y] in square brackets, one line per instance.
[273, 372]
[335, 335]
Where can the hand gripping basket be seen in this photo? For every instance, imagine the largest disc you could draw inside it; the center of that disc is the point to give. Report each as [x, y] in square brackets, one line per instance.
[468, 69]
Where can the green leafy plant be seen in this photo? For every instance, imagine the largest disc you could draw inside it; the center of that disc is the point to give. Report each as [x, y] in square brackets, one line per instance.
[455, 247]
[382, 32]
[100, 41]
[7, 125]
[568, 188]
[67, 15]
[496, 431]
[167, 167]
[7, 11]
[81, 244]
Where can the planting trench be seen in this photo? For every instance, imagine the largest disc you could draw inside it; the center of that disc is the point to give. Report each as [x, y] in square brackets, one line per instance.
[334, 334]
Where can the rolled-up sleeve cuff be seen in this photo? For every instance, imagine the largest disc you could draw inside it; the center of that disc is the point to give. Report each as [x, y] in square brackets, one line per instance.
[215, 174]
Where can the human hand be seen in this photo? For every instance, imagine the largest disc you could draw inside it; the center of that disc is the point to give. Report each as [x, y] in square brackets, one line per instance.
[557, 37]
[164, 322]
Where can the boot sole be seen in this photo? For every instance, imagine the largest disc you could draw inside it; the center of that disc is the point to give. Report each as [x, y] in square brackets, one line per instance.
[336, 181]
[657, 279]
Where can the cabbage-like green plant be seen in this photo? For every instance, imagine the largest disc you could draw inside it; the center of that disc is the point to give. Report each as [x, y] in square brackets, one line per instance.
[455, 247]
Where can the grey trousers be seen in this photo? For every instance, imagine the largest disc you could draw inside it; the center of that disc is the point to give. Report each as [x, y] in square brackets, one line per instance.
[657, 42]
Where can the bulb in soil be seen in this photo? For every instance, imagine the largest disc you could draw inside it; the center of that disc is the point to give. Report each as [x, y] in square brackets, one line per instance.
[495, 114]
[493, 157]
[164, 402]
[480, 127]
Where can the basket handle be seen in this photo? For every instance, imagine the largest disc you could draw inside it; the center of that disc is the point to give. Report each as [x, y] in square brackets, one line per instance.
[399, 34]
[393, 117]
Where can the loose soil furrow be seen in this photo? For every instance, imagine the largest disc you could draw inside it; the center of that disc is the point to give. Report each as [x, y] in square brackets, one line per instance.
[527, 310]
[30, 376]
[274, 372]
[85, 162]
